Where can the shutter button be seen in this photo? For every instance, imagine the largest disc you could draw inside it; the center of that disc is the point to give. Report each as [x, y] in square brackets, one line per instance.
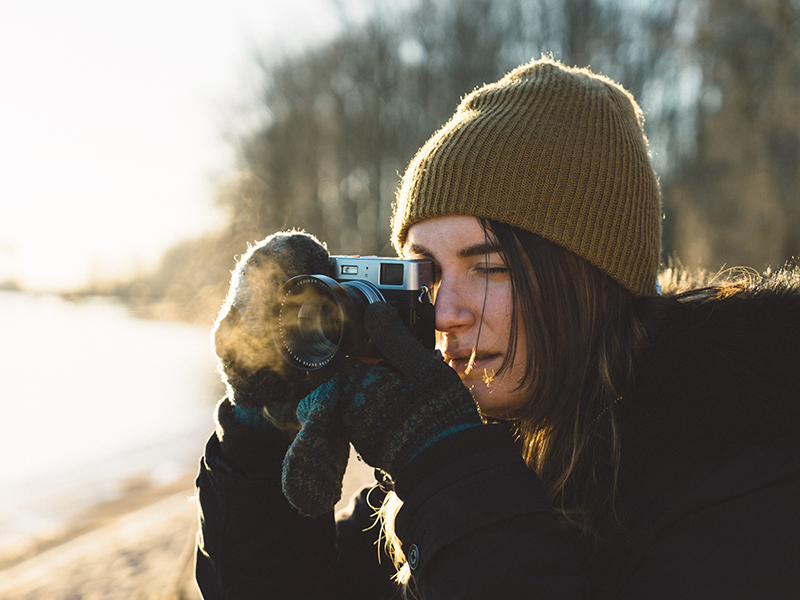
[413, 556]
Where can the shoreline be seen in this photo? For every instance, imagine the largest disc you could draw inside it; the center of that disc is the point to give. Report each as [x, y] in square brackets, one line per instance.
[135, 494]
[138, 545]
[148, 531]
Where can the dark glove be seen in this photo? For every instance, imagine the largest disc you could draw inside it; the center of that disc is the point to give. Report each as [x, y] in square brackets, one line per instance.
[260, 384]
[389, 414]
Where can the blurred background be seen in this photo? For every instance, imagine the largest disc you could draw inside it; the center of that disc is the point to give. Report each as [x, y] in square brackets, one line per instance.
[144, 144]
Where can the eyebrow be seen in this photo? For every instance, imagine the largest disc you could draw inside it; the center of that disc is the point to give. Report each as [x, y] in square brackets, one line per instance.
[469, 251]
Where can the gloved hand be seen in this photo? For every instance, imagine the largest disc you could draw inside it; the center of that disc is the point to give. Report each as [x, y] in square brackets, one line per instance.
[389, 414]
[262, 387]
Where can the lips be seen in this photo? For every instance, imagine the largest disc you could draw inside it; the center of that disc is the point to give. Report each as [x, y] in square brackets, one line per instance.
[482, 363]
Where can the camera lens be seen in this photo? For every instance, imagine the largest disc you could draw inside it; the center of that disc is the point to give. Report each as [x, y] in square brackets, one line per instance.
[316, 319]
[318, 326]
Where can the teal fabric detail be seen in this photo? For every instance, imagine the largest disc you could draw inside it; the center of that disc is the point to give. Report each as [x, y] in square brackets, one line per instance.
[441, 436]
[254, 418]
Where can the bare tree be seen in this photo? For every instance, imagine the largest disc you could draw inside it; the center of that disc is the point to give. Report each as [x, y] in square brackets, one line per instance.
[717, 79]
[738, 198]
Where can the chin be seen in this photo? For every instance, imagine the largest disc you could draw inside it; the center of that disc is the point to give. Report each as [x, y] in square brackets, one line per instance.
[494, 401]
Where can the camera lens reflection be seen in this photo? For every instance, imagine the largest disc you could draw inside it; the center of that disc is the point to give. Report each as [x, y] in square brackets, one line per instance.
[317, 319]
[319, 326]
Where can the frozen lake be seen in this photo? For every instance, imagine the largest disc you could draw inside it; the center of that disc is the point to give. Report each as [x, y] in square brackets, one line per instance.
[93, 396]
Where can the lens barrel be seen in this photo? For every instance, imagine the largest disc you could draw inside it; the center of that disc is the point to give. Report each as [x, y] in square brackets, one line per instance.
[316, 318]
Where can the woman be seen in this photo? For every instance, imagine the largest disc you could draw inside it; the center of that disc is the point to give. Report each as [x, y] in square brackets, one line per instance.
[585, 438]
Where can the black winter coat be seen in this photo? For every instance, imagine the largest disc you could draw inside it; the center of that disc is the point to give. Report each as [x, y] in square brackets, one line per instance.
[706, 503]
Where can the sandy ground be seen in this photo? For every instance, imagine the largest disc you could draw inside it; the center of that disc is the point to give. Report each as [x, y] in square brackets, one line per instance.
[138, 547]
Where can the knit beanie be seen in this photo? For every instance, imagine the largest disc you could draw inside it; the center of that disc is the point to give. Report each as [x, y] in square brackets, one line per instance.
[554, 150]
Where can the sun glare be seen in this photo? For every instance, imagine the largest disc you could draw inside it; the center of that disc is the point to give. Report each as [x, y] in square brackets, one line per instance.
[112, 118]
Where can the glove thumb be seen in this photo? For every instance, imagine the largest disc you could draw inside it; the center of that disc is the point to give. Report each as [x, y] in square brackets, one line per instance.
[314, 465]
[396, 342]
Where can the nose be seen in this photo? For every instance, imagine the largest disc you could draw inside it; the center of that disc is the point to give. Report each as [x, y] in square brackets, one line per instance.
[453, 310]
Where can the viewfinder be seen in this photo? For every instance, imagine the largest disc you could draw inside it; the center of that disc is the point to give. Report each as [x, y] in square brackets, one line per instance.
[392, 273]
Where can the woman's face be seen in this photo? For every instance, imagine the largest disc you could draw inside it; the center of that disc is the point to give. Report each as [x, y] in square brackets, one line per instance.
[472, 295]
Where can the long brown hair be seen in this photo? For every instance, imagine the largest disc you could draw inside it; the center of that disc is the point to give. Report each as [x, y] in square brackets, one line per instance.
[581, 331]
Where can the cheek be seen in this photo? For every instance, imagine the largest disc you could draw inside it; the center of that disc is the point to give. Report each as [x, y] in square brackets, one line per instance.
[498, 314]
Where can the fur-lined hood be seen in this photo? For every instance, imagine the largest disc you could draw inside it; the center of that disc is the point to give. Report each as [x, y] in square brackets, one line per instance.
[711, 416]
[721, 371]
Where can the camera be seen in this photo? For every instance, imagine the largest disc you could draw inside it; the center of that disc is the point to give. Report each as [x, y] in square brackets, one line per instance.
[317, 318]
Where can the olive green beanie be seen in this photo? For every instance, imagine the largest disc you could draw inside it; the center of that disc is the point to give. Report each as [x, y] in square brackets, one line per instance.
[553, 150]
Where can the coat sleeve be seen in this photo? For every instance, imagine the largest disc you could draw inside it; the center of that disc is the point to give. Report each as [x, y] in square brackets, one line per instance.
[253, 544]
[476, 523]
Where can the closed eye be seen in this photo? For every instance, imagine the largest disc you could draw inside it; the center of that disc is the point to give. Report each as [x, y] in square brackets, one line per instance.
[492, 270]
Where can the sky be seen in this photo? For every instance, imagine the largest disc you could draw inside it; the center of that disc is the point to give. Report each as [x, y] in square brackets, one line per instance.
[113, 115]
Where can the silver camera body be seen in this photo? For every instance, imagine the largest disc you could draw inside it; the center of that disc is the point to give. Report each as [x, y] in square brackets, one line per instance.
[317, 318]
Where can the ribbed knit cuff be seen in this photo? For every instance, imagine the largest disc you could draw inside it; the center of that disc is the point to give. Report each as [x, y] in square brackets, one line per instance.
[448, 450]
[248, 449]
[254, 418]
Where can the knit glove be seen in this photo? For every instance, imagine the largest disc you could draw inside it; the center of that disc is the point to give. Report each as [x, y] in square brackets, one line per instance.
[261, 386]
[390, 414]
